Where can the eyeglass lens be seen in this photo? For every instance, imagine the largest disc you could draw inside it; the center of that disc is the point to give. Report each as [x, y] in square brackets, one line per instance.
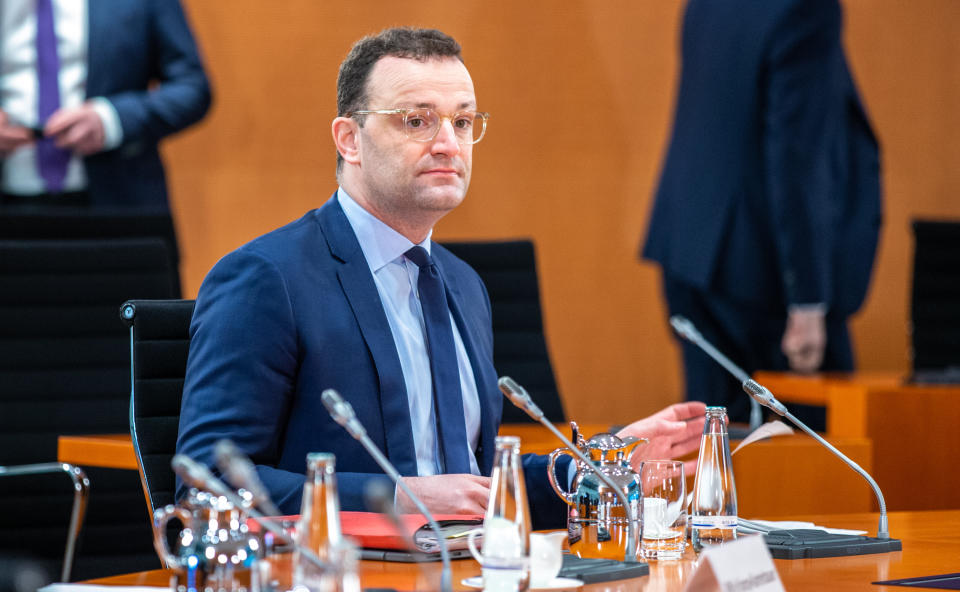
[422, 125]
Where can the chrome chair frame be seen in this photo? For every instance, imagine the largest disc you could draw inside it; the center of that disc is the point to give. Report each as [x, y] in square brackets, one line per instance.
[81, 494]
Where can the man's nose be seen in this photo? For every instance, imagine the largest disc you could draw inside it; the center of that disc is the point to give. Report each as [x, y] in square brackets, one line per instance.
[445, 141]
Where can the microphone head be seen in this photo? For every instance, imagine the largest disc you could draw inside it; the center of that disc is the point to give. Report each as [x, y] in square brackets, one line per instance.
[224, 451]
[762, 395]
[195, 474]
[378, 496]
[519, 397]
[341, 411]
[684, 327]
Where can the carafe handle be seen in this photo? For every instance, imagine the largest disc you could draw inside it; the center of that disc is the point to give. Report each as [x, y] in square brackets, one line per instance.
[160, 519]
[551, 474]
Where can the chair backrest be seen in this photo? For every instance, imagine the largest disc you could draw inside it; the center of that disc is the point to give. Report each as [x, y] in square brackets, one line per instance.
[509, 270]
[64, 369]
[31, 223]
[935, 301]
[159, 344]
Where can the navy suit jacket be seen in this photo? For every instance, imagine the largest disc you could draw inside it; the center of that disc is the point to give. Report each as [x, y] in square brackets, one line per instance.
[295, 312]
[131, 45]
[770, 190]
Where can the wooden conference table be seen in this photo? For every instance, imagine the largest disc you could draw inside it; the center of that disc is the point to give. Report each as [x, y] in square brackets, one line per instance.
[930, 547]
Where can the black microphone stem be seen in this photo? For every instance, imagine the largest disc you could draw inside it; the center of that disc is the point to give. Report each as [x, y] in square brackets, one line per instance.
[688, 331]
[766, 398]
[342, 412]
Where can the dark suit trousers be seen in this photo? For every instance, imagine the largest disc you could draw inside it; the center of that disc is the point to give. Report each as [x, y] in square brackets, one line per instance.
[750, 336]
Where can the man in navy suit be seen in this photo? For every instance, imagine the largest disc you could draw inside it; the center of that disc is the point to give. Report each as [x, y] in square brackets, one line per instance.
[102, 81]
[336, 300]
[766, 218]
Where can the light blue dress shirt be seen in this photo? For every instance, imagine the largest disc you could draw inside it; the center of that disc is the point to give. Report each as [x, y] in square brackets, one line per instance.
[396, 279]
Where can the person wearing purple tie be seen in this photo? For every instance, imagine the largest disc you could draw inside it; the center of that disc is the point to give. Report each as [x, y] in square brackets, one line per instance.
[89, 88]
[355, 296]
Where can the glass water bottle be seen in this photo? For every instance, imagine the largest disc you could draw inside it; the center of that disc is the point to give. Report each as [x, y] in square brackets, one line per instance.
[713, 514]
[506, 524]
[319, 525]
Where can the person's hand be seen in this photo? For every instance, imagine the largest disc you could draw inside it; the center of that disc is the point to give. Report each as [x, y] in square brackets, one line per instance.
[446, 494]
[12, 136]
[673, 432]
[805, 339]
[78, 129]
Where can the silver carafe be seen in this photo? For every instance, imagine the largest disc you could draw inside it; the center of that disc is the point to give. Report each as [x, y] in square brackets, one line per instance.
[215, 549]
[597, 522]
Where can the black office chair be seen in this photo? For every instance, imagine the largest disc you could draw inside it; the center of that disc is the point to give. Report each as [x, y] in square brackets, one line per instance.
[64, 370]
[159, 343]
[935, 302]
[38, 223]
[509, 270]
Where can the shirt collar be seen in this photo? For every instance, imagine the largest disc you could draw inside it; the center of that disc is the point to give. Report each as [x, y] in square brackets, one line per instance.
[380, 243]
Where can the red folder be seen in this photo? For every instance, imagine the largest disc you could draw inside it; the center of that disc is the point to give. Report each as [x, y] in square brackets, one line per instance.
[375, 531]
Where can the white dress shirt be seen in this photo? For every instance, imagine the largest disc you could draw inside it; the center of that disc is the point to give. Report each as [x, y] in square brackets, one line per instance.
[18, 86]
[396, 279]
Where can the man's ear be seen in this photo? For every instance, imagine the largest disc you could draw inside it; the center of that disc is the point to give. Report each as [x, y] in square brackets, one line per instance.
[346, 137]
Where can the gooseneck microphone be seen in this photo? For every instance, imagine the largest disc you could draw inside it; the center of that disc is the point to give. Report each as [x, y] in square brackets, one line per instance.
[239, 470]
[761, 395]
[519, 397]
[342, 413]
[196, 475]
[688, 331]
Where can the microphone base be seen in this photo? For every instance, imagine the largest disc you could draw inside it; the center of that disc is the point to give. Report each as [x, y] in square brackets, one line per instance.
[591, 570]
[813, 544]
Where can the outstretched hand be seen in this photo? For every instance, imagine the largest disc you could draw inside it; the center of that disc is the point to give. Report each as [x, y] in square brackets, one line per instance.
[673, 432]
[446, 494]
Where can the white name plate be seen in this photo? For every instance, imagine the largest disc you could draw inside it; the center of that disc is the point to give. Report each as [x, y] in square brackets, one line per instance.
[743, 565]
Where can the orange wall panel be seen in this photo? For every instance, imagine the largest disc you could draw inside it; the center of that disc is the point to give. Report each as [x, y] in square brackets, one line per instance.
[581, 96]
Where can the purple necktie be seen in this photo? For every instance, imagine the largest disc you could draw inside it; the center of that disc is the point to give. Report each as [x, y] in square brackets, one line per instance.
[51, 161]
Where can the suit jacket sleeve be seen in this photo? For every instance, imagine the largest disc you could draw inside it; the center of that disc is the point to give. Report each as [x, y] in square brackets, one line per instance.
[800, 122]
[242, 375]
[182, 96]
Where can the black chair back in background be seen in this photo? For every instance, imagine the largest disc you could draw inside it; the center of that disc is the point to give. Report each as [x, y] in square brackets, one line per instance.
[935, 302]
[37, 223]
[509, 270]
[159, 344]
[64, 369]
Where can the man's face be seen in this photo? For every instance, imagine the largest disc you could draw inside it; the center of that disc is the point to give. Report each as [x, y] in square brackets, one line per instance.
[403, 179]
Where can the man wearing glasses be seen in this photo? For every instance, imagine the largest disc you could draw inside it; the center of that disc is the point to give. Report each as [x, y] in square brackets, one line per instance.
[355, 296]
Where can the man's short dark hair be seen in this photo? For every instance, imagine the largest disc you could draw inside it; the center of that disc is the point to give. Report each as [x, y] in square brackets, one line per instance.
[400, 42]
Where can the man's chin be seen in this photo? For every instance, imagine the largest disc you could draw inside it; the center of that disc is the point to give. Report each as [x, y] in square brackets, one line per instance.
[443, 198]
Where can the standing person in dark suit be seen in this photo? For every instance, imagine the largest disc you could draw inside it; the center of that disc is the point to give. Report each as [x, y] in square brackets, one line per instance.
[355, 296]
[89, 88]
[768, 210]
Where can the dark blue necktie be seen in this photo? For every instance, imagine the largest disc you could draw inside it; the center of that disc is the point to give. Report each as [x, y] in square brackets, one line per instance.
[51, 161]
[447, 397]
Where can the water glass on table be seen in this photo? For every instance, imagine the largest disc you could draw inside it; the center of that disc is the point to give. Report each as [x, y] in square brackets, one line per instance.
[664, 512]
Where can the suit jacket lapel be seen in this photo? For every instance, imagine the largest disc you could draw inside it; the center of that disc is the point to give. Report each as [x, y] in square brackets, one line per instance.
[361, 292]
[483, 371]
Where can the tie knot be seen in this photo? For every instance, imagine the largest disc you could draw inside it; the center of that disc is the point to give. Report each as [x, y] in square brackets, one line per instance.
[420, 256]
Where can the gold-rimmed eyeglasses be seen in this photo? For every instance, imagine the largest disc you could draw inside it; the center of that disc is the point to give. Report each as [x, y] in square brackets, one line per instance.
[423, 125]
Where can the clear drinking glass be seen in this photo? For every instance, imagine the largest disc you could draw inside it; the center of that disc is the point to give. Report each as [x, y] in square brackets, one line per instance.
[664, 511]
